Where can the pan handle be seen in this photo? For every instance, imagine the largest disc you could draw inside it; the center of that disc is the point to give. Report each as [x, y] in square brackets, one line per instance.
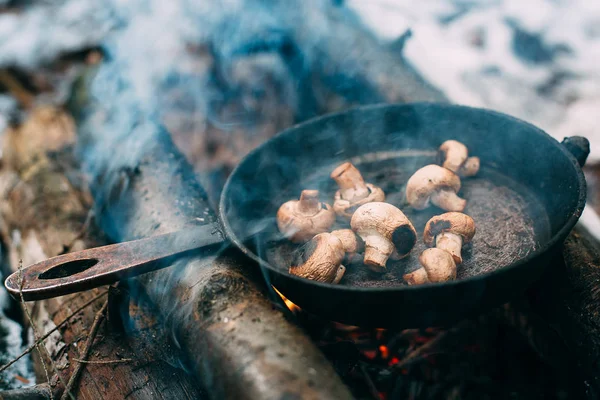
[579, 147]
[83, 270]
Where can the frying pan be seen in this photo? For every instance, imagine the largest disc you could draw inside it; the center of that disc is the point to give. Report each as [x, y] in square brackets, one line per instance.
[527, 197]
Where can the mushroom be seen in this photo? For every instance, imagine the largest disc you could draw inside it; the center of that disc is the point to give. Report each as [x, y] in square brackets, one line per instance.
[455, 157]
[384, 228]
[353, 192]
[437, 266]
[352, 243]
[320, 259]
[437, 185]
[300, 220]
[449, 232]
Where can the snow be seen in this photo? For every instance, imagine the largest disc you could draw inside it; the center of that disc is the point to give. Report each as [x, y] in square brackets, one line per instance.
[467, 49]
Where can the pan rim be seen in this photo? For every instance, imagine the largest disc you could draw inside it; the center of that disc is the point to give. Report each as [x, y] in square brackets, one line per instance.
[554, 240]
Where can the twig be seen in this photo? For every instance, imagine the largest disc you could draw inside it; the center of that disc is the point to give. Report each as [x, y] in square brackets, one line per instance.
[83, 231]
[122, 360]
[422, 351]
[50, 332]
[86, 352]
[427, 348]
[36, 335]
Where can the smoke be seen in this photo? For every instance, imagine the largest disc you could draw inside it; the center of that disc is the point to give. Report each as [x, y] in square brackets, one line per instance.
[224, 76]
[40, 31]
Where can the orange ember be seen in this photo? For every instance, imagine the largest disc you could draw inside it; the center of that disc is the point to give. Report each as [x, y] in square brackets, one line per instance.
[385, 353]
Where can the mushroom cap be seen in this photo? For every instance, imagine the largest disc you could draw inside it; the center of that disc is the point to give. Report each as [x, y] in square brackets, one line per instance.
[427, 180]
[351, 242]
[453, 154]
[345, 208]
[387, 221]
[450, 222]
[438, 264]
[470, 167]
[319, 259]
[300, 224]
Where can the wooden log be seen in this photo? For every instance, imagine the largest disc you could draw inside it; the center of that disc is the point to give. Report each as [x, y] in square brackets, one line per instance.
[568, 299]
[38, 392]
[43, 211]
[238, 343]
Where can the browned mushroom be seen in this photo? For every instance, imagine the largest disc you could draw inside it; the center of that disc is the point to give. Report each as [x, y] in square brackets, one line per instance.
[300, 220]
[353, 191]
[437, 266]
[353, 244]
[455, 157]
[384, 228]
[437, 185]
[320, 259]
[449, 232]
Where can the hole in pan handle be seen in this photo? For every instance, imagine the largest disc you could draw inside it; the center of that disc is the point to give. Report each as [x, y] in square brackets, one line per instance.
[87, 269]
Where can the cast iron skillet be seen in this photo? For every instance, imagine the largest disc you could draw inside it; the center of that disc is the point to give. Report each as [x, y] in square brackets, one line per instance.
[527, 197]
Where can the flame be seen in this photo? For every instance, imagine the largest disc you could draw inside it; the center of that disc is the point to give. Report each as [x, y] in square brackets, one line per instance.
[289, 304]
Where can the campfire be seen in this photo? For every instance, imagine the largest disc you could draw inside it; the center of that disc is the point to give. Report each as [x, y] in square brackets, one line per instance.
[177, 223]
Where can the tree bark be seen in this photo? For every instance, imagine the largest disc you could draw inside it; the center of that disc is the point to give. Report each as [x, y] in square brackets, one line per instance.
[44, 212]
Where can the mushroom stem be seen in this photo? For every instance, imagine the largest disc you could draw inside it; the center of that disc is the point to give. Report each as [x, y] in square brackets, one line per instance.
[448, 200]
[339, 274]
[351, 183]
[309, 202]
[377, 251]
[417, 277]
[470, 167]
[438, 265]
[452, 243]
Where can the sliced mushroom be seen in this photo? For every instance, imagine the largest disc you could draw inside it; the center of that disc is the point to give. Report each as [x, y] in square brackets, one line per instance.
[437, 266]
[437, 185]
[455, 157]
[320, 259]
[384, 229]
[300, 220]
[352, 243]
[449, 232]
[353, 191]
